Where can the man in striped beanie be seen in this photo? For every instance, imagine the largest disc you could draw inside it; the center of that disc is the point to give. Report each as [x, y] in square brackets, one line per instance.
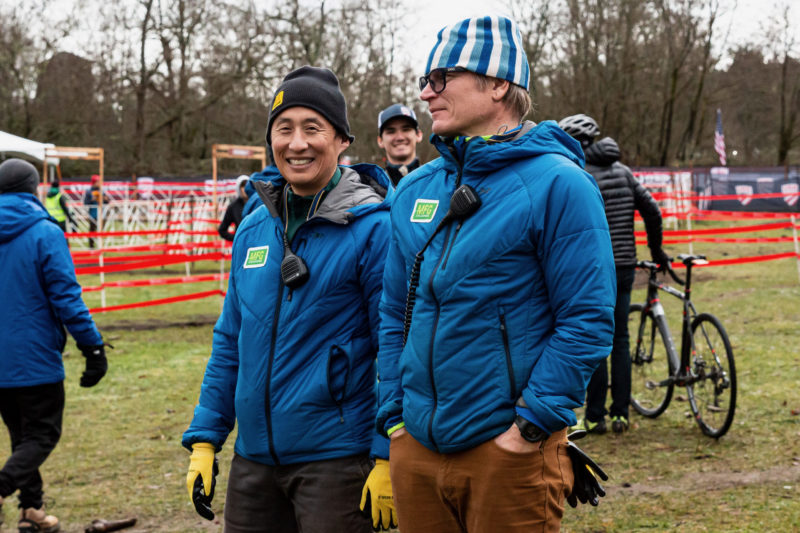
[498, 301]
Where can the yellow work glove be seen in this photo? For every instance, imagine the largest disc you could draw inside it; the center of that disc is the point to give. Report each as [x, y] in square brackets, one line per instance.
[202, 478]
[376, 497]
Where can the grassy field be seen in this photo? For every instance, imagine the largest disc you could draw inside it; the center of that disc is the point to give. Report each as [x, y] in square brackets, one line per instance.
[120, 453]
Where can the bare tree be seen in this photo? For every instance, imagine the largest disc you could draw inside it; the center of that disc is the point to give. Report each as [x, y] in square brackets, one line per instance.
[690, 135]
[783, 37]
[535, 22]
[27, 38]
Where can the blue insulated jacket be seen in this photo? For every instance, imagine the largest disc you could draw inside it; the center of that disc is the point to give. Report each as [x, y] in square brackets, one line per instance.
[39, 295]
[515, 302]
[296, 368]
[269, 173]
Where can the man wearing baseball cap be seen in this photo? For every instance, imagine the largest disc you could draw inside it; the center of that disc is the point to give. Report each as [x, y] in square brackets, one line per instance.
[398, 135]
[498, 301]
[293, 354]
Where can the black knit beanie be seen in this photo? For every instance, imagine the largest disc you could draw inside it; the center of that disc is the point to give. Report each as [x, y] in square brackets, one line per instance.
[17, 175]
[314, 88]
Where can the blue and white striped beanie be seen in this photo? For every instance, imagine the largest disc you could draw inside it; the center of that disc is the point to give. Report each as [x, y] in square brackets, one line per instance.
[491, 46]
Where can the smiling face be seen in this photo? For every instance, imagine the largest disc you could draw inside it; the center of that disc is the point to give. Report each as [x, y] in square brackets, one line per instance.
[465, 107]
[399, 138]
[306, 148]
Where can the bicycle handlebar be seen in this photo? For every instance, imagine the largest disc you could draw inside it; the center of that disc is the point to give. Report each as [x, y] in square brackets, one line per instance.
[673, 275]
[666, 267]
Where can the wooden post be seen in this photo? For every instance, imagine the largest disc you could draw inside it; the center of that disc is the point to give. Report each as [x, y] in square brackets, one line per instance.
[86, 154]
[231, 151]
[214, 176]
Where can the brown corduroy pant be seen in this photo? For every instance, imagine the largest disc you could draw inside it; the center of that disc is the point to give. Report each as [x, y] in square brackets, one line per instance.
[486, 489]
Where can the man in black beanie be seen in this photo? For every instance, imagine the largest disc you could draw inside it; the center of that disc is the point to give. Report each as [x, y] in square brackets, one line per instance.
[40, 297]
[293, 356]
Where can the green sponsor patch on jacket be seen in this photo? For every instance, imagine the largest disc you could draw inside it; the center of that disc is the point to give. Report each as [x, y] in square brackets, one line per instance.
[424, 210]
[256, 257]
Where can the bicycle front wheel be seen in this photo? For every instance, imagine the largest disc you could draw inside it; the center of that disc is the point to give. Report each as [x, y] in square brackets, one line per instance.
[651, 390]
[713, 395]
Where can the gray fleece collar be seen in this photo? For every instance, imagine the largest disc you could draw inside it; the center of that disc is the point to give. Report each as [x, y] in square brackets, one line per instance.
[352, 190]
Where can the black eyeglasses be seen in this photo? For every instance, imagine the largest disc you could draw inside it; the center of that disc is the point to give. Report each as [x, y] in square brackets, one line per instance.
[438, 78]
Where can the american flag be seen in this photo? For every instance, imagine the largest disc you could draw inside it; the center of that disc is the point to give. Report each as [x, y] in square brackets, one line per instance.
[719, 139]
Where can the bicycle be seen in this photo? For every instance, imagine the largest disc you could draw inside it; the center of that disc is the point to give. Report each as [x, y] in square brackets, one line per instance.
[705, 366]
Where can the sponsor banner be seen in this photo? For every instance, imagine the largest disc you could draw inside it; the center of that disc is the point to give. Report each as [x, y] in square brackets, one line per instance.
[790, 191]
[773, 192]
[745, 193]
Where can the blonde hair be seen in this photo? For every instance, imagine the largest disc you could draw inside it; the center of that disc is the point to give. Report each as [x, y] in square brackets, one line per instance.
[516, 98]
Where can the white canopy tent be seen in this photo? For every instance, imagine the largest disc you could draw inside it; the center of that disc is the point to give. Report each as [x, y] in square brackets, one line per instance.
[14, 146]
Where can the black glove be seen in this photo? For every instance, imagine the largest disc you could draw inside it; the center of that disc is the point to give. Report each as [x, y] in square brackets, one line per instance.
[96, 364]
[660, 257]
[586, 487]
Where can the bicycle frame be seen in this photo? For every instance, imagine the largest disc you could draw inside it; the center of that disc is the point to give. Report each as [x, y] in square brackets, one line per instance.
[681, 363]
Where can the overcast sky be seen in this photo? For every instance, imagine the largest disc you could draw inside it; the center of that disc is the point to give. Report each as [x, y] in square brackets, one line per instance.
[424, 18]
[743, 17]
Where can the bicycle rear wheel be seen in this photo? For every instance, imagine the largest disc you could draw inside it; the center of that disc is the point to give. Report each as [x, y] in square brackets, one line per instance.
[713, 396]
[650, 364]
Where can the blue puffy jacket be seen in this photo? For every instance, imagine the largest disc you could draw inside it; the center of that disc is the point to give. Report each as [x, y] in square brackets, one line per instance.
[269, 173]
[296, 369]
[39, 295]
[516, 301]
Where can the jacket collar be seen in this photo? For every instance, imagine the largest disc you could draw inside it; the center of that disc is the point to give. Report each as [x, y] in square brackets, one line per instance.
[363, 188]
[481, 156]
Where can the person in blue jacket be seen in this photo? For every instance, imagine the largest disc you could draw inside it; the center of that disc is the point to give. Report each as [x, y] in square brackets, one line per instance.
[40, 298]
[293, 359]
[498, 299]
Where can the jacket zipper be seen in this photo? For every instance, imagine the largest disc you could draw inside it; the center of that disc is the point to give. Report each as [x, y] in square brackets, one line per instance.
[460, 222]
[435, 325]
[433, 337]
[268, 408]
[507, 348]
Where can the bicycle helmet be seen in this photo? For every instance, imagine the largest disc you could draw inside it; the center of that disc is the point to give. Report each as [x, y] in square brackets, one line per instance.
[582, 128]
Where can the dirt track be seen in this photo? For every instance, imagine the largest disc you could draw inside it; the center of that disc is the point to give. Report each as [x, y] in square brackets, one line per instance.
[143, 325]
[702, 481]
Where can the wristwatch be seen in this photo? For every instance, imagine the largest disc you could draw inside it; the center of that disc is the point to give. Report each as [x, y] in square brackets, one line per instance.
[530, 431]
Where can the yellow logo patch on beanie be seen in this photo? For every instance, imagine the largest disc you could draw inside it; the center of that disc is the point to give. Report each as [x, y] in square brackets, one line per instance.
[278, 100]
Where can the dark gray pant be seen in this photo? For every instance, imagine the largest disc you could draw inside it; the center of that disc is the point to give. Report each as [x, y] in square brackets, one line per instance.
[33, 417]
[314, 497]
[597, 389]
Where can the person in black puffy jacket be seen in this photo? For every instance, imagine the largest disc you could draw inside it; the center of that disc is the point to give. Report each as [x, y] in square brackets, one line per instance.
[622, 195]
[233, 214]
